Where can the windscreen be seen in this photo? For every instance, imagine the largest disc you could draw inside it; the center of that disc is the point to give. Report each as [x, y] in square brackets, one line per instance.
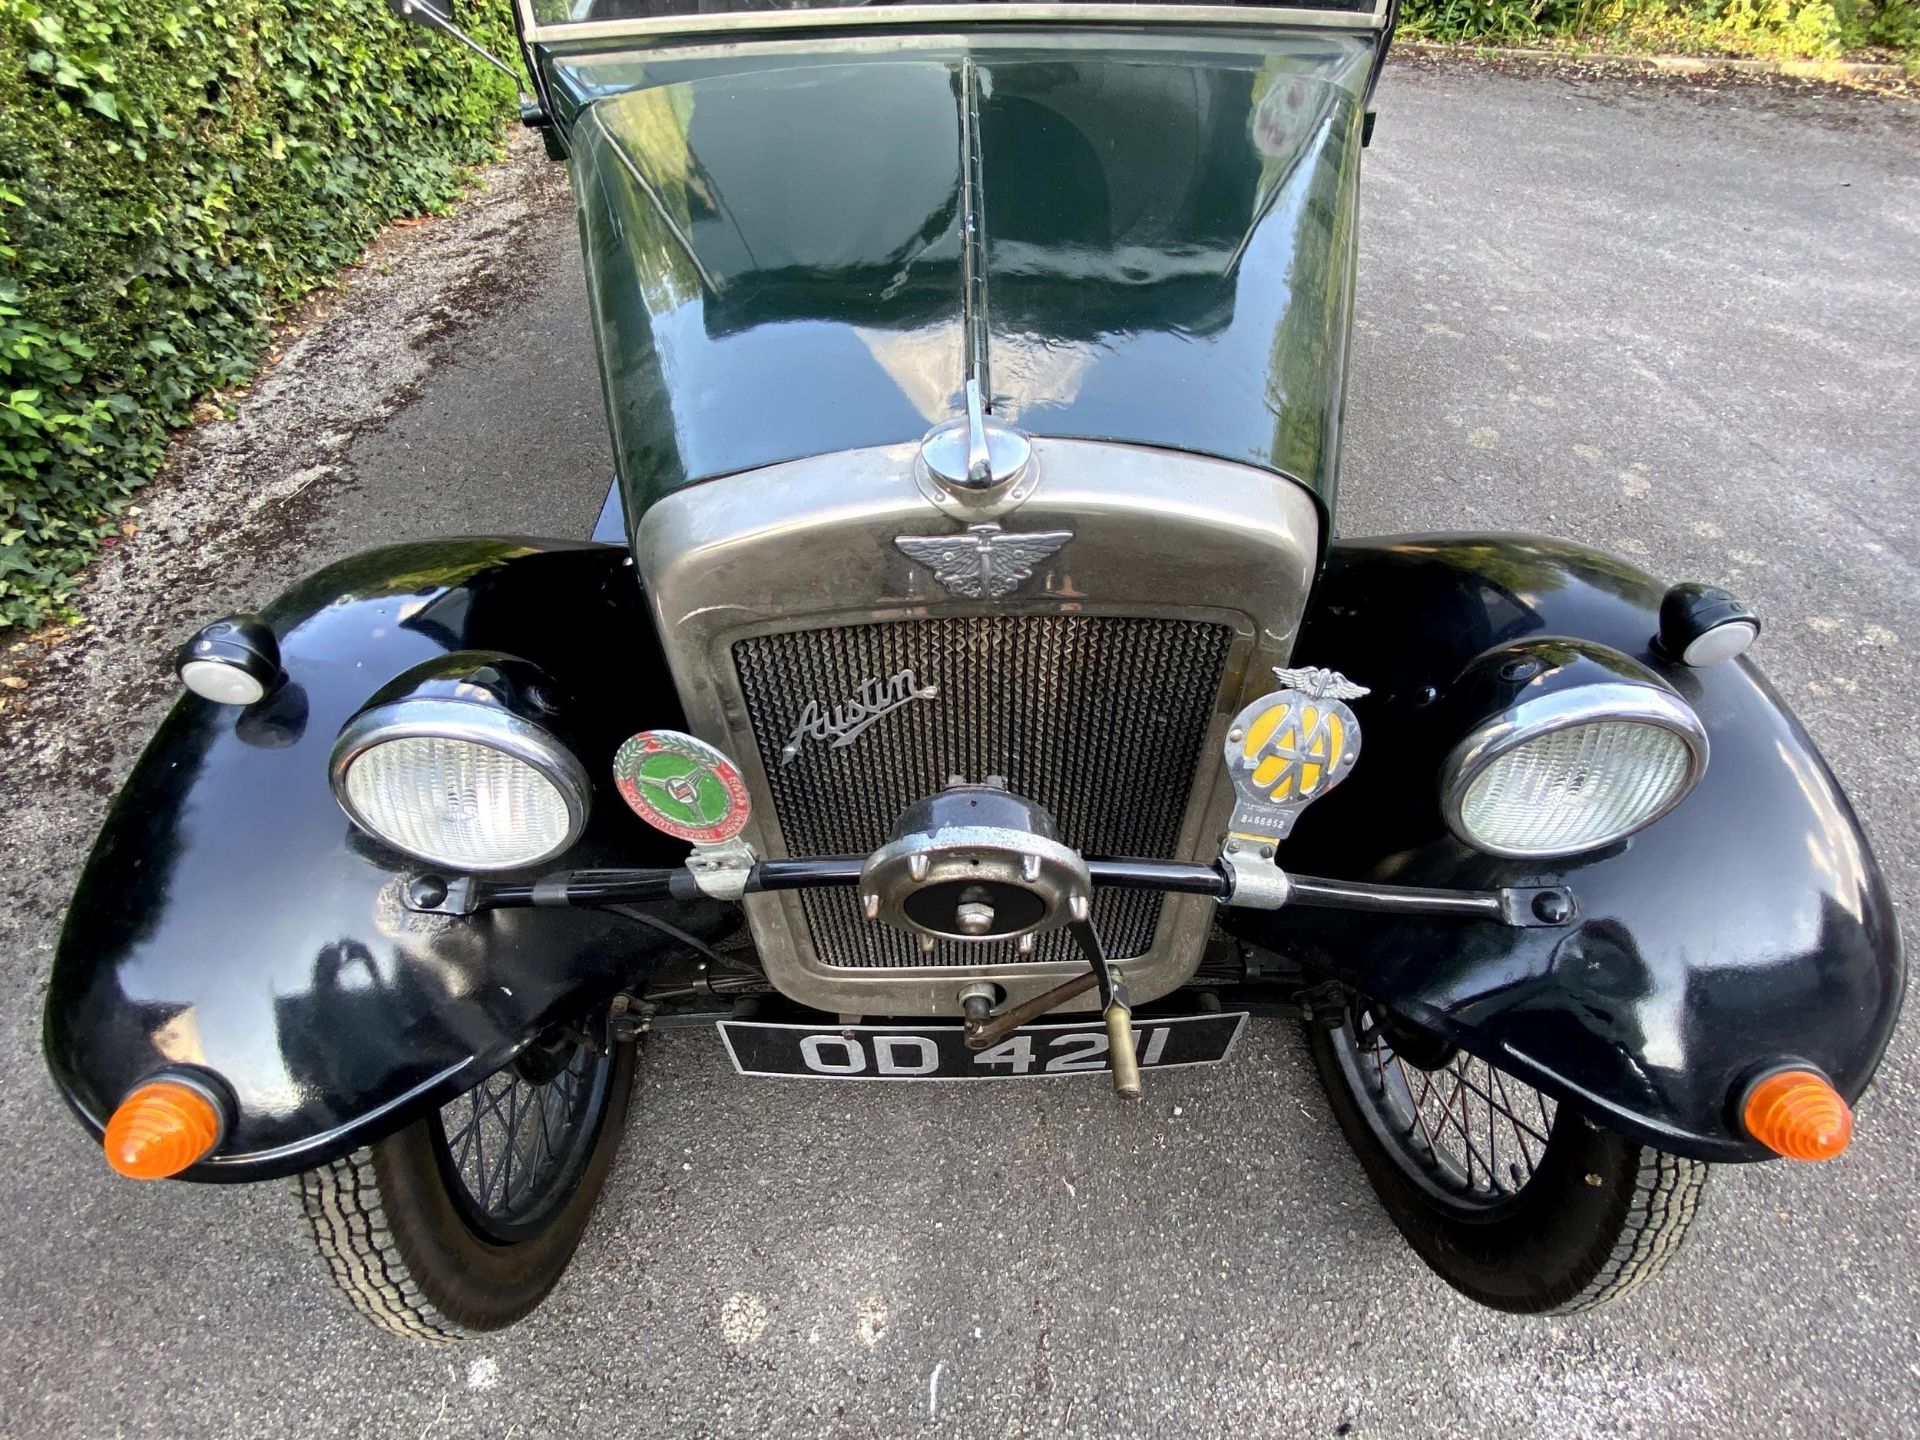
[561, 12]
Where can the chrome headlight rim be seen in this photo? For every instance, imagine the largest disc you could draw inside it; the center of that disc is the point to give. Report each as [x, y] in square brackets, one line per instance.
[1537, 716]
[475, 723]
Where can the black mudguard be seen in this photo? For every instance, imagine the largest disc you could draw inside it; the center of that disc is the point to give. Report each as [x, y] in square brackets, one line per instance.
[1749, 927]
[230, 916]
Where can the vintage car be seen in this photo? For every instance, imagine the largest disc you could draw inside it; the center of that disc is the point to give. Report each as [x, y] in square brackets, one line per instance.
[965, 679]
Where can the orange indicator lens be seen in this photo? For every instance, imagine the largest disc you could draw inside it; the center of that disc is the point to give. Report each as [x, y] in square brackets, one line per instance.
[1797, 1114]
[160, 1129]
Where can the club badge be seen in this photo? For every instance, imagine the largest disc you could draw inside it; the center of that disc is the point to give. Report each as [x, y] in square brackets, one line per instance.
[1287, 749]
[683, 786]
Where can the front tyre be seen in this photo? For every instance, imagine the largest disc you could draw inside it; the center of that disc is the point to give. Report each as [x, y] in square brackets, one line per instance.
[1515, 1202]
[462, 1222]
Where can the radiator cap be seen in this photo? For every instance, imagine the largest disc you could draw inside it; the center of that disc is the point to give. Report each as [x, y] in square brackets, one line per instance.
[976, 466]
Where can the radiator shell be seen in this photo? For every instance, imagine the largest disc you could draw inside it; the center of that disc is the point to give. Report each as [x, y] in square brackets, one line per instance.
[1181, 587]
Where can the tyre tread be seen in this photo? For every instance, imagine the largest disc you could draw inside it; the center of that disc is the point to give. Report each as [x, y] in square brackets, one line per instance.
[1666, 1198]
[343, 1219]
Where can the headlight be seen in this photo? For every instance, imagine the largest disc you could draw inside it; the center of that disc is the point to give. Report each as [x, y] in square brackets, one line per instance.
[1588, 748]
[450, 775]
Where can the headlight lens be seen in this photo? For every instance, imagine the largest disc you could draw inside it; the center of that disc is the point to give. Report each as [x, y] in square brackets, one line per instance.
[1570, 771]
[460, 785]
[1576, 789]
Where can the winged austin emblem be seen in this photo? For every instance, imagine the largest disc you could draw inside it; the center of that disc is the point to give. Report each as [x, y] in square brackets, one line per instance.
[1320, 683]
[983, 562]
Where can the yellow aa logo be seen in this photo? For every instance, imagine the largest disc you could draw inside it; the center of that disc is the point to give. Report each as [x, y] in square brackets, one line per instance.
[1294, 747]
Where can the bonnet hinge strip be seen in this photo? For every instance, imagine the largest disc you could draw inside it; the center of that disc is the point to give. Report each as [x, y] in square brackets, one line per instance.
[660, 209]
[973, 231]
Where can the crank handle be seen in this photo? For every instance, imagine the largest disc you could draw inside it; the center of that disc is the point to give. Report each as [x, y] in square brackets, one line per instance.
[984, 1031]
[1120, 1052]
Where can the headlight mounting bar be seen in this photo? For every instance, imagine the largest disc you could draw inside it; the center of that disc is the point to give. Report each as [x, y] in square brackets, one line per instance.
[1519, 906]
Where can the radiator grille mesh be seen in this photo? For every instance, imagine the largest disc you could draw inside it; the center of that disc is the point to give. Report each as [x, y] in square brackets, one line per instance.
[1098, 718]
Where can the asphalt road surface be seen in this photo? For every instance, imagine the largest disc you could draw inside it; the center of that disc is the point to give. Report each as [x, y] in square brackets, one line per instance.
[1678, 322]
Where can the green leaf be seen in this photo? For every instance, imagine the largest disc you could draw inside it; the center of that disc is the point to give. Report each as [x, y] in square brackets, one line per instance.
[253, 147]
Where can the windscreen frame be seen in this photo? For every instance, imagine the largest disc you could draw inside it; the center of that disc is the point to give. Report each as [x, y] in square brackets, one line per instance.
[802, 23]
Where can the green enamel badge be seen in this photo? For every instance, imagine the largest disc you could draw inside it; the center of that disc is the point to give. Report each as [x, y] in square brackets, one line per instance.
[683, 786]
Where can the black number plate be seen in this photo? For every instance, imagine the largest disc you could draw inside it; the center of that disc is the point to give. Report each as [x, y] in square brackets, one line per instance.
[937, 1052]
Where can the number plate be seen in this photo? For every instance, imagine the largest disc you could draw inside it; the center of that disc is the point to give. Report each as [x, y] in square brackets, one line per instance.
[937, 1052]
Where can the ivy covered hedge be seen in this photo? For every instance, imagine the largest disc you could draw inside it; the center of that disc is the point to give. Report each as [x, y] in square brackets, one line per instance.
[1769, 29]
[172, 172]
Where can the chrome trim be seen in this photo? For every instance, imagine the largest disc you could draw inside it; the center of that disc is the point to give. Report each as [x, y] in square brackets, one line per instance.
[1507, 730]
[479, 724]
[1254, 881]
[722, 871]
[843, 44]
[1010, 453]
[810, 544]
[973, 237]
[429, 18]
[1319, 683]
[849, 720]
[979, 466]
[947, 17]
[976, 464]
[1053, 873]
[983, 562]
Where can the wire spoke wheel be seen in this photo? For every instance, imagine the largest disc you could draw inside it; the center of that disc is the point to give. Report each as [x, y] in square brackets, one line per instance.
[1516, 1201]
[515, 1143]
[1471, 1135]
[463, 1221]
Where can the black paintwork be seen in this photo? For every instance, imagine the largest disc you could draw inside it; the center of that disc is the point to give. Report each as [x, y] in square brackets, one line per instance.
[232, 919]
[1750, 926]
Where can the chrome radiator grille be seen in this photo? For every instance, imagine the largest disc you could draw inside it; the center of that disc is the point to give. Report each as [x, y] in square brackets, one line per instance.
[1099, 718]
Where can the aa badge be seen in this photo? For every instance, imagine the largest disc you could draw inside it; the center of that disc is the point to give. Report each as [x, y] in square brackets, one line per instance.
[682, 785]
[1287, 749]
